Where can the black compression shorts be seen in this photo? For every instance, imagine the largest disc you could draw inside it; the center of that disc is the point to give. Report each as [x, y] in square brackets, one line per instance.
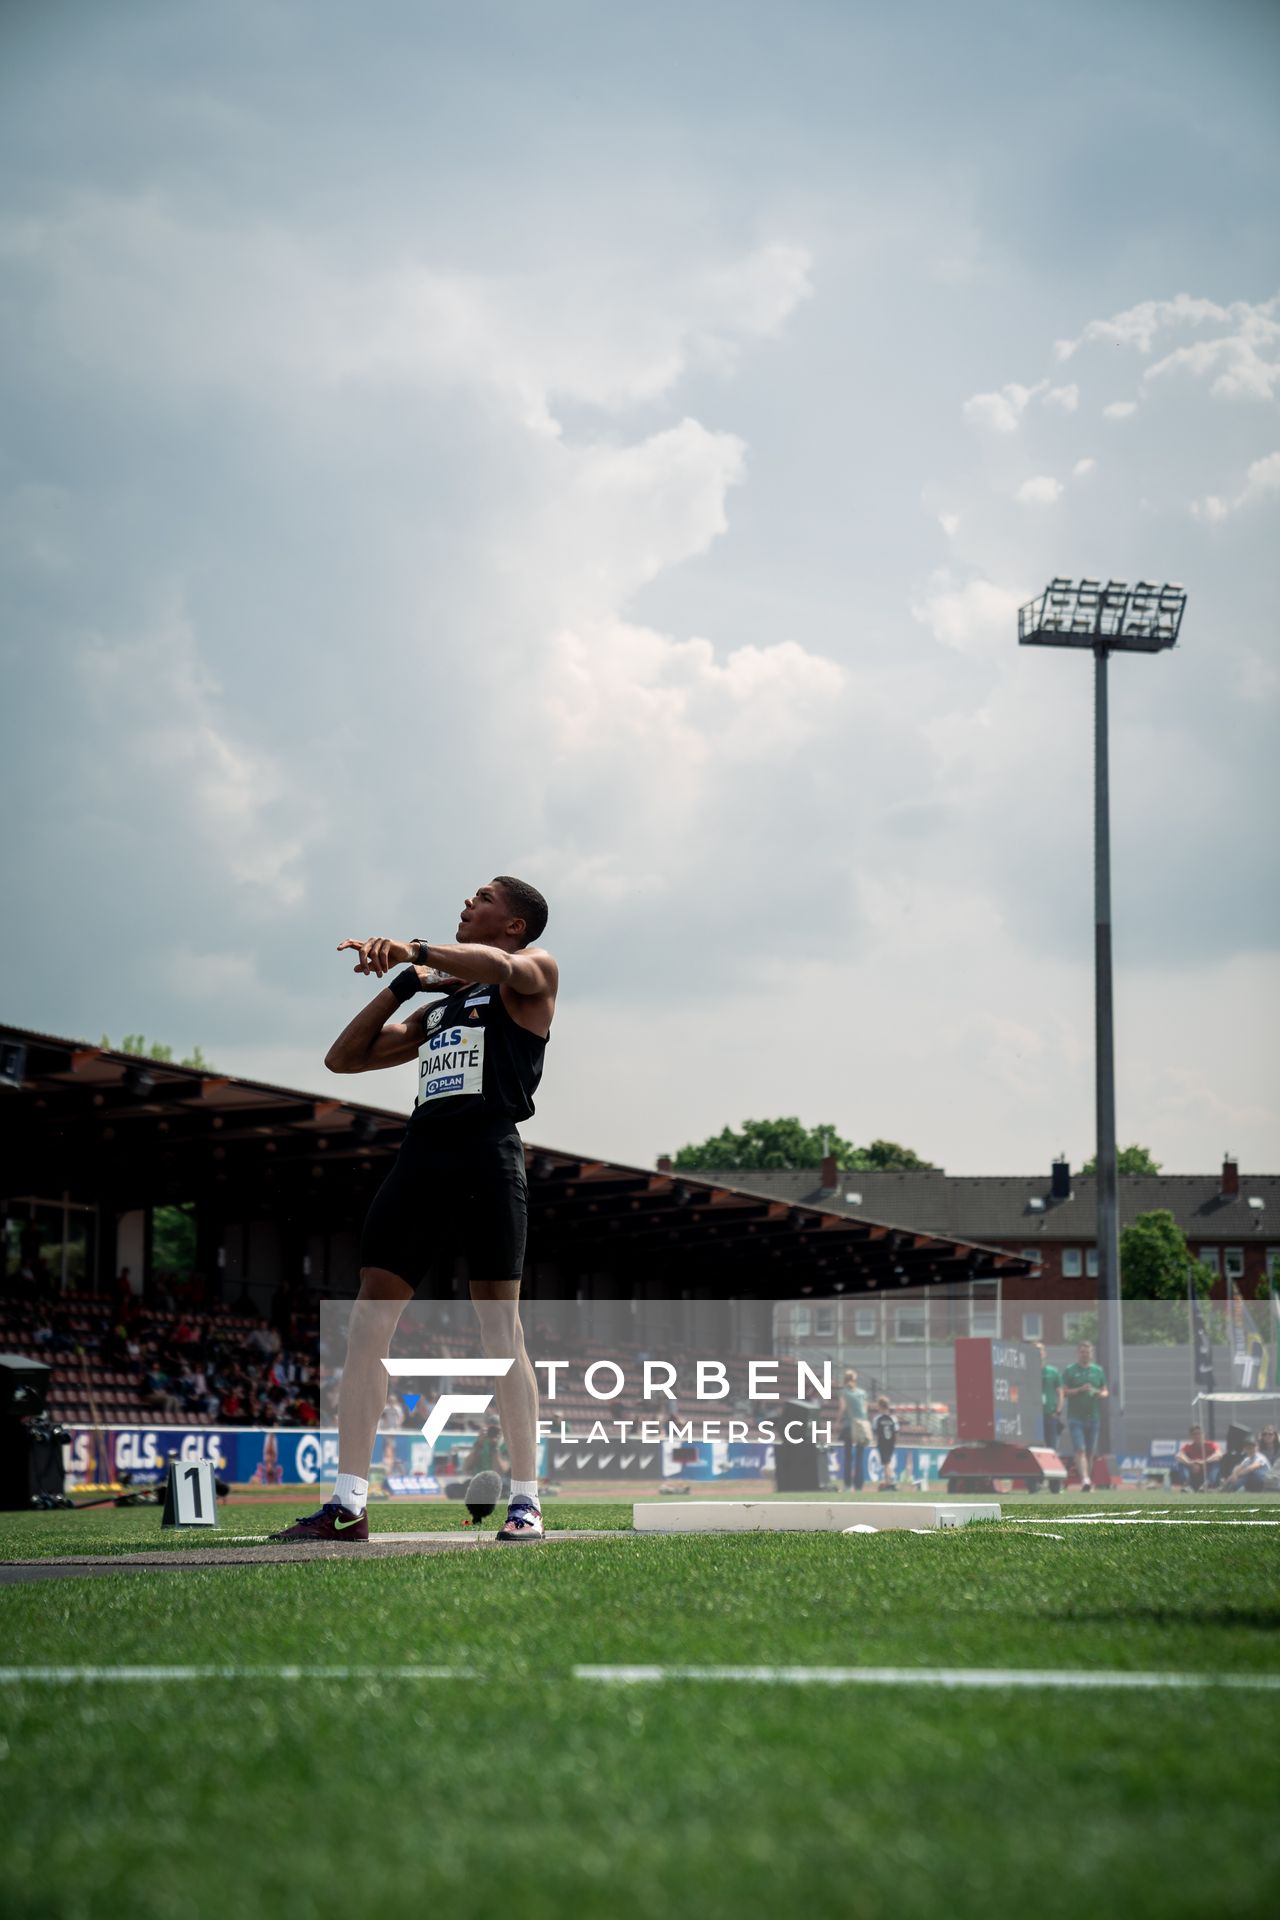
[464, 1194]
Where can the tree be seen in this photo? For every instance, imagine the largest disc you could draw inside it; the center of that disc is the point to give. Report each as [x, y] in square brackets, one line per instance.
[788, 1143]
[156, 1050]
[1128, 1160]
[887, 1153]
[173, 1239]
[1155, 1264]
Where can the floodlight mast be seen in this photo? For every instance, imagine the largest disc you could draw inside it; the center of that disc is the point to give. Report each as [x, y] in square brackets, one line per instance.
[1116, 618]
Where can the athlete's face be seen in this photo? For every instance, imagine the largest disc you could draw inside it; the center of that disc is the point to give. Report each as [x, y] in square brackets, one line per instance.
[487, 917]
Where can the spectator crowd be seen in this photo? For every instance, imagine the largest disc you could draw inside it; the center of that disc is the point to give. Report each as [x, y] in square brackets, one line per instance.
[167, 1363]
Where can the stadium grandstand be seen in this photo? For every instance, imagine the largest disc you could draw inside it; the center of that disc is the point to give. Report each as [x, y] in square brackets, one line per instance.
[93, 1141]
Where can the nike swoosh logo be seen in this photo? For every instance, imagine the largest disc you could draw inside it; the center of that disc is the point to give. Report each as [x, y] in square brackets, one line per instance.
[340, 1526]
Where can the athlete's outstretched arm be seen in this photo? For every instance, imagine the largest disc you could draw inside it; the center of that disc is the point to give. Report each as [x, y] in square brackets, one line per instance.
[532, 970]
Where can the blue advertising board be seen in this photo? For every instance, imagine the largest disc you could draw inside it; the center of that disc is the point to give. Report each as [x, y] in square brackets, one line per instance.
[248, 1456]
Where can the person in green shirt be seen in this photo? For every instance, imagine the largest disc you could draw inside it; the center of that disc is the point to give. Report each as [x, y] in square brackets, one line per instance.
[1084, 1387]
[489, 1454]
[857, 1432]
[1050, 1398]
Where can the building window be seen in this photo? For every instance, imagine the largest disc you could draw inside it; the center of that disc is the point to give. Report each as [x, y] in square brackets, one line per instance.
[1034, 1257]
[1072, 1324]
[1091, 1263]
[1233, 1258]
[824, 1322]
[1208, 1257]
[909, 1323]
[801, 1322]
[1273, 1264]
[864, 1323]
[984, 1309]
[1072, 1265]
[1033, 1326]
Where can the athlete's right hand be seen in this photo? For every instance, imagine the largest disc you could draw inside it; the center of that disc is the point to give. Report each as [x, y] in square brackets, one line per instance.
[378, 955]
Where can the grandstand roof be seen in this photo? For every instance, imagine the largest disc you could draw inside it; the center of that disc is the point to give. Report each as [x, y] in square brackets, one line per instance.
[103, 1124]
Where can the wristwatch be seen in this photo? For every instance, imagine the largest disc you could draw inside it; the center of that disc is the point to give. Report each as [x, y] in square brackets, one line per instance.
[419, 952]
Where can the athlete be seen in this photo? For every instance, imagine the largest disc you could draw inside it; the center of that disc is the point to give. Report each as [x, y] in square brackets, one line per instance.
[480, 1047]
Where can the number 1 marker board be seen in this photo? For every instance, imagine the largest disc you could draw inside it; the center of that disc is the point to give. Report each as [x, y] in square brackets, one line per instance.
[190, 1499]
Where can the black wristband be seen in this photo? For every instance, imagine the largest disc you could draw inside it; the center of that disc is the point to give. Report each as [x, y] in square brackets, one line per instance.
[405, 984]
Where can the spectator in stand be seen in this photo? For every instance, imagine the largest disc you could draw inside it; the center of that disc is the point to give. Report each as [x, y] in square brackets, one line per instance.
[856, 1432]
[233, 1404]
[264, 1340]
[1084, 1386]
[1050, 1399]
[392, 1416]
[1253, 1473]
[1196, 1461]
[1269, 1443]
[884, 1425]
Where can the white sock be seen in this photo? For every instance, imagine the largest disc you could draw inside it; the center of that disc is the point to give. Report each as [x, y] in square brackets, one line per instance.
[527, 1488]
[351, 1492]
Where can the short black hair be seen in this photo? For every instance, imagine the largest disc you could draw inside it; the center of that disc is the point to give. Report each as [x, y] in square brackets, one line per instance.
[527, 902]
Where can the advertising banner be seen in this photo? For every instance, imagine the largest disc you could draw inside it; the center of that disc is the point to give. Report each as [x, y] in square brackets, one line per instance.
[250, 1456]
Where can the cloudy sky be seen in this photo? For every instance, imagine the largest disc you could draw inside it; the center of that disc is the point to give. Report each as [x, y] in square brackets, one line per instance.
[610, 445]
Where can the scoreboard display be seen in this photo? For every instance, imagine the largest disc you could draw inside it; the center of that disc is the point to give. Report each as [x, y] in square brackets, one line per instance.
[998, 1392]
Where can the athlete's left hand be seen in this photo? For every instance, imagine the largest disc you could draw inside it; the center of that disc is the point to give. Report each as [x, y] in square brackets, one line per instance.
[378, 955]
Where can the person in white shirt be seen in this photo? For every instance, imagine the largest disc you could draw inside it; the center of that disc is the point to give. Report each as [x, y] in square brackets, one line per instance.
[1251, 1474]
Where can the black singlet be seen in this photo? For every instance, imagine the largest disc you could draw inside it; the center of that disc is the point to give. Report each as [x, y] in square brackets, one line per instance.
[476, 1063]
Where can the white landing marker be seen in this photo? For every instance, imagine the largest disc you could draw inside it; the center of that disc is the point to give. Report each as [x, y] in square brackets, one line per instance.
[807, 1516]
[1079, 1677]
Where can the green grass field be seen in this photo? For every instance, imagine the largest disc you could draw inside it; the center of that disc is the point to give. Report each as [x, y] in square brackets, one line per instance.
[519, 1785]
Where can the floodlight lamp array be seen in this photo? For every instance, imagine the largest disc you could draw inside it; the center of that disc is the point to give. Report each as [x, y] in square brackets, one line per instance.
[1143, 618]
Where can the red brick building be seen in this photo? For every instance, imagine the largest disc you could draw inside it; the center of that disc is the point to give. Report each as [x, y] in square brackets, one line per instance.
[1231, 1220]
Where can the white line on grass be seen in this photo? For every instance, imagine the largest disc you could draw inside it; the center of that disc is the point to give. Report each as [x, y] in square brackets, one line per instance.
[72, 1676]
[928, 1677]
[953, 1677]
[1106, 1520]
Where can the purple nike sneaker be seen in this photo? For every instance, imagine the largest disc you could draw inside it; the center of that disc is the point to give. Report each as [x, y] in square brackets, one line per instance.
[329, 1522]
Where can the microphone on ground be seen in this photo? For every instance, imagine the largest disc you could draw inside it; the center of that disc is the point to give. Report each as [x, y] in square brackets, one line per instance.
[483, 1494]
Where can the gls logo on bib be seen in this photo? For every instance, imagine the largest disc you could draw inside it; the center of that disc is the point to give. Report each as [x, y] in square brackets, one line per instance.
[450, 1062]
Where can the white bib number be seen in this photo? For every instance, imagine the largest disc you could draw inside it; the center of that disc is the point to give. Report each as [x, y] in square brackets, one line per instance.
[450, 1063]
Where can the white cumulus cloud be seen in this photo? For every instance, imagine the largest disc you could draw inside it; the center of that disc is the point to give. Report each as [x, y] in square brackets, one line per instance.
[1041, 491]
[1002, 411]
[1262, 479]
[977, 618]
[166, 739]
[1237, 346]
